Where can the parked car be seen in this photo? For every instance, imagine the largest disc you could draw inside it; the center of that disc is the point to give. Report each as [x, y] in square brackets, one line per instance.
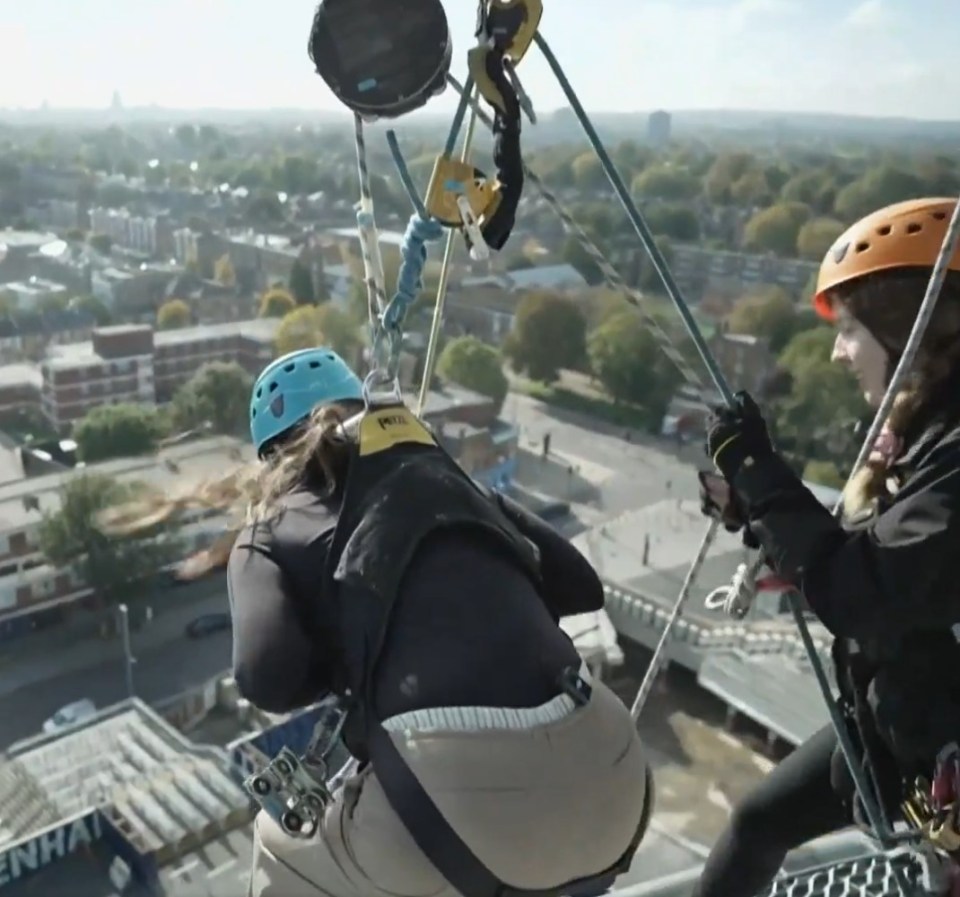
[208, 624]
[70, 715]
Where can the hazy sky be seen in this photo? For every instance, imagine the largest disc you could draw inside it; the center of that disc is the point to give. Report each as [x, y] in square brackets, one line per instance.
[876, 57]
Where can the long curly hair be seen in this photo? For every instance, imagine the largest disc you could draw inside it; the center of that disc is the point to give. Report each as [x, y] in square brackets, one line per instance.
[316, 454]
[886, 303]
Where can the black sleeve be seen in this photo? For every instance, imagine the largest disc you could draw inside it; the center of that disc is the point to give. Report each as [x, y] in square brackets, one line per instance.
[570, 584]
[277, 661]
[884, 578]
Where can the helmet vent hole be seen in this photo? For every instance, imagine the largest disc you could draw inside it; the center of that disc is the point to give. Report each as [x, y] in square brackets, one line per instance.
[914, 228]
[290, 368]
[314, 364]
[273, 386]
[331, 358]
[259, 392]
[885, 231]
[939, 216]
[862, 246]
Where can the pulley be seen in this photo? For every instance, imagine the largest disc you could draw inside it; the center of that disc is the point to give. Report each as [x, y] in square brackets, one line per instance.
[382, 58]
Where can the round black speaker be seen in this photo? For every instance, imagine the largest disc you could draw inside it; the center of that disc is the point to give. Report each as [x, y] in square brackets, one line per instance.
[382, 58]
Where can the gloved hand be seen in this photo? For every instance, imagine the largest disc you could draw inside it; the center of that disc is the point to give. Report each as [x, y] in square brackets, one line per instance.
[725, 510]
[735, 434]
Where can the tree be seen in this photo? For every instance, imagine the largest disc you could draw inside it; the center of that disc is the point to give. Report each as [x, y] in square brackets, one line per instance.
[673, 220]
[751, 189]
[173, 314]
[108, 564]
[588, 172]
[549, 333]
[301, 283]
[93, 306]
[725, 171]
[117, 431]
[218, 393]
[474, 365]
[224, 272]
[628, 362]
[276, 302]
[875, 189]
[769, 314]
[776, 229]
[309, 326]
[817, 236]
[101, 243]
[666, 182]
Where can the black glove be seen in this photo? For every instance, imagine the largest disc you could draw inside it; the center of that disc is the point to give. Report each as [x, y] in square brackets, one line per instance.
[736, 434]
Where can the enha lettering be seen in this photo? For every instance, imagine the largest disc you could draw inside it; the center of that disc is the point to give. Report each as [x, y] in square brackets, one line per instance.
[47, 847]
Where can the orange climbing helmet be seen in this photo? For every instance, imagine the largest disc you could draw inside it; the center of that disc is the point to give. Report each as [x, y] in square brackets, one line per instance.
[905, 235]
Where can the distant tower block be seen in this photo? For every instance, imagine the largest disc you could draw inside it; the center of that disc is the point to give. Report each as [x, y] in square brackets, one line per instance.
[658, 129]
[116, 102]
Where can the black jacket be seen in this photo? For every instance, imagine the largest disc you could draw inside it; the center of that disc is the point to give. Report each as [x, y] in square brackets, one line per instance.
[886, 587]
[473, 628]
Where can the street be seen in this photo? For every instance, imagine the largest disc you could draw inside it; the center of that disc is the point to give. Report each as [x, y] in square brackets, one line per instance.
[627, 475]
[167, 662]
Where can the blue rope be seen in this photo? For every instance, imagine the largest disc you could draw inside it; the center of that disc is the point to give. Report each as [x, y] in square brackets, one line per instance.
[413, 254]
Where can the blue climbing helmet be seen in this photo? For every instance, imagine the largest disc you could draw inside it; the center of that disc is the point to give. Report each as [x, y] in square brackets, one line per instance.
[288, 390]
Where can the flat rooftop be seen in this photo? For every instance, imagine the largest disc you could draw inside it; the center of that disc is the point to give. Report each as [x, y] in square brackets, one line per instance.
[71, 355]
[175, 470]
[128, 759]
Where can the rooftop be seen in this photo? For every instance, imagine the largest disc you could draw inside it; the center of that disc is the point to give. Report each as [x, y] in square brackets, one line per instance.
[25, 239]
[175, 470]
[547, 277]
[71, 355]
[20, 375]
[162, 788]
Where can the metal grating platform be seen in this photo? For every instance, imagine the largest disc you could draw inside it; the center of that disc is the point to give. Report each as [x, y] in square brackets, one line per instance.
[872, 876]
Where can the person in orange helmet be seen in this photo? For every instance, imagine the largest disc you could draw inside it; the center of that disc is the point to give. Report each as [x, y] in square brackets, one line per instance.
[882, 581]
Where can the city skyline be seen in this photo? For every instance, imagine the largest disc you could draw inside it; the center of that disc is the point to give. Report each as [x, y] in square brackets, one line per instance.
[872, 57]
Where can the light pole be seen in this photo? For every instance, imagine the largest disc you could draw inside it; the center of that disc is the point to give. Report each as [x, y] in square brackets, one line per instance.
[128, 659]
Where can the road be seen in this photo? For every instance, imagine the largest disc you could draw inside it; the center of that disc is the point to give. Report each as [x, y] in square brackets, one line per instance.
[627, 474]
[167, 662]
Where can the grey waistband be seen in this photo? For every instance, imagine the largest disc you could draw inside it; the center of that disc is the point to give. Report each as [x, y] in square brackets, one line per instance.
[480, 719]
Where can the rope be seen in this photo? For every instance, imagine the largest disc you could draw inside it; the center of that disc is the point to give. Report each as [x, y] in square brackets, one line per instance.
[636, 298]
[436, 325]
[660, 264]
[413, 253]
[369, 247]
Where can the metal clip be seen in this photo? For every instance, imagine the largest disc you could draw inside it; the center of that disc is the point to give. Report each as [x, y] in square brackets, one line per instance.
[479, 251]
[289, 795]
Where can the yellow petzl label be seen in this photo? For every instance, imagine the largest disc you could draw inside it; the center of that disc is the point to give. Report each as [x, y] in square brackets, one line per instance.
[384, 428]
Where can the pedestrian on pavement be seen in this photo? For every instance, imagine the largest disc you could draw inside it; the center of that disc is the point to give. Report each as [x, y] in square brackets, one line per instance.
[389, 575]
[884, 582]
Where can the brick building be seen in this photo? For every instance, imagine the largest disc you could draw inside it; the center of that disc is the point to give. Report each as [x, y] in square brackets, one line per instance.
[132, 363]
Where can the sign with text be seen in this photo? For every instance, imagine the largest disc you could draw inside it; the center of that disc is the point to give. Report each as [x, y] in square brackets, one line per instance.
[54, 844]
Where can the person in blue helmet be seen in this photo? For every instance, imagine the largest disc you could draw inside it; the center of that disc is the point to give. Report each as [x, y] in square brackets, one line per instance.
[486, 760]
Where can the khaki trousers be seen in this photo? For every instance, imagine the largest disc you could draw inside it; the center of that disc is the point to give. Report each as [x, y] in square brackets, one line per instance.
[540, 806]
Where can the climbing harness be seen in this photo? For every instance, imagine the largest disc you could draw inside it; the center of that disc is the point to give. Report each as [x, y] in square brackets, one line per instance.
[380, 64]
